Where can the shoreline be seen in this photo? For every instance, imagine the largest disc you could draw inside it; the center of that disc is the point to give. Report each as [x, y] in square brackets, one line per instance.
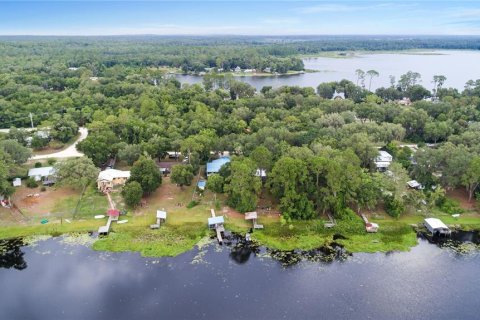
[174, 239]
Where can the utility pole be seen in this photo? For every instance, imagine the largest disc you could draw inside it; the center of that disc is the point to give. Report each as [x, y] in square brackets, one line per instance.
[31, 119]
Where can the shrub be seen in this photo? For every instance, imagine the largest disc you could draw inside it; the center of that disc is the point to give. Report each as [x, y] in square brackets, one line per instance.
[51, 161]
[43, 189]
[31, 183]
[56, 144]
[450, 206]
[132, 193]
[393, 207]
[38, 164]
[192, 204]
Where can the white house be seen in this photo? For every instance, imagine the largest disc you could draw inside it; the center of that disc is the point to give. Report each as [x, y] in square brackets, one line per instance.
[383, 160]
[238, 69]
[109, 178]
[44, 174]
[338, 95]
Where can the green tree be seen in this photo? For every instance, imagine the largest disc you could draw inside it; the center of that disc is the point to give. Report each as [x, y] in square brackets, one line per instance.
[289, 183]
[215, 183]
[182, 174]
[132, 193]
[146, 172]
[325, 90]
[64, 129]
[17, 152]
[6, 188]
[130, 153]
[262, 158]
[471, 177]
[242, 185]
[98, 146]
[76, 173]
[371, 74]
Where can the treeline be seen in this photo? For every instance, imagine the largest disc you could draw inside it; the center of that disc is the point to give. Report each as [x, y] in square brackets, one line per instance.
[319, 153]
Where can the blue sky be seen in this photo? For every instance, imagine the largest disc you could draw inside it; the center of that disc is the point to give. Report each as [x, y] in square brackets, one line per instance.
[393, 17]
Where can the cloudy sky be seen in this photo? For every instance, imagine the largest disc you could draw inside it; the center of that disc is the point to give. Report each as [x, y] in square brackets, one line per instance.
[245, 17]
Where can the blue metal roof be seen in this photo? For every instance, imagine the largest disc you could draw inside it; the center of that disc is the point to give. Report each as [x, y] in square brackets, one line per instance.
[215, 165]
[215, 220]
[201, 184]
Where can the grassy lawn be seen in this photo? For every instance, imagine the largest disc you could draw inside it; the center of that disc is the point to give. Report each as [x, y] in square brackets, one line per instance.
[169, 240]
[185, 227]
[90, 204]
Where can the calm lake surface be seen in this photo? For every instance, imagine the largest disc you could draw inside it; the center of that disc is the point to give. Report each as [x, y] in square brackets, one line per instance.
[55, 280]
[457, 66]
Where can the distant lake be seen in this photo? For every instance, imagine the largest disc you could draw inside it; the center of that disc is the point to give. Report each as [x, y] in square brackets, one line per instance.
[457, 66]
[57, 280]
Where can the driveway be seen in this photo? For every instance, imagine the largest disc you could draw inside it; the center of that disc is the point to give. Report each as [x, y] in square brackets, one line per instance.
[69, 152]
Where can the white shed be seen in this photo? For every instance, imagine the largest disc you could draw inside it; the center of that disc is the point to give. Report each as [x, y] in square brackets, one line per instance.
[17, 182]
[436, 226]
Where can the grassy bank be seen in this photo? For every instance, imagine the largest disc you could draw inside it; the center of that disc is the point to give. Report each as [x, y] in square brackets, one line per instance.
[169, 240]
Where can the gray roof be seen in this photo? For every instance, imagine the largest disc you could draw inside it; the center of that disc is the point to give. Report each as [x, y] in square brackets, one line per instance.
[41, 172]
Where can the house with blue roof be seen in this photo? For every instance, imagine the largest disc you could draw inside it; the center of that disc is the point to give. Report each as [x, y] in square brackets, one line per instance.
[215, 165]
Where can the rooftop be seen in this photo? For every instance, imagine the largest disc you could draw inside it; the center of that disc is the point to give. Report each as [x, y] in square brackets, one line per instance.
[215, 220]
[41, 172]
[110, 174]
[161, 214]
[215, 165]
[435, 223]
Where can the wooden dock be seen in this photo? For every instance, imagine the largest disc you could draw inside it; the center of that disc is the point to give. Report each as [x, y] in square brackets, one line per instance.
[104, 230]
[217, 225]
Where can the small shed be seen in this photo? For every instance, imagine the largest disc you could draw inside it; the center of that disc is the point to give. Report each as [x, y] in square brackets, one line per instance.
[17, 182]
[414, 184]
[103, 230]
[436, 226]
[161, 217]
[161, 214]
[213, 222]
[113, 213]
[371, 227]
[253, 217]
[201, 184]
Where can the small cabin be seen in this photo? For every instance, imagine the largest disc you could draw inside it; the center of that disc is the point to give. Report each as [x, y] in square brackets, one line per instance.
[436, 227]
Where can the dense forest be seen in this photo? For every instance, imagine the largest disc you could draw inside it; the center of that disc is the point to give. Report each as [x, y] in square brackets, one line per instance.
[319, 153]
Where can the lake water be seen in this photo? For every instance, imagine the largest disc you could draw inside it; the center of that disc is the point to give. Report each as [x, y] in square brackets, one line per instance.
[54, 280]
[457, 66]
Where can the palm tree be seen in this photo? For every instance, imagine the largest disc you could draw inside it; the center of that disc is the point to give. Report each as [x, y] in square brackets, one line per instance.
[372, 73]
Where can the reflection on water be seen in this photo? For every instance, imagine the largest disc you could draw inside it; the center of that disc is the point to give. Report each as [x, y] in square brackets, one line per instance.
[11, 254]
[238, 280]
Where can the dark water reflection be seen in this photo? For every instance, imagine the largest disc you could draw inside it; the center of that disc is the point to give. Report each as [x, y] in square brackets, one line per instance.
[237, 281]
